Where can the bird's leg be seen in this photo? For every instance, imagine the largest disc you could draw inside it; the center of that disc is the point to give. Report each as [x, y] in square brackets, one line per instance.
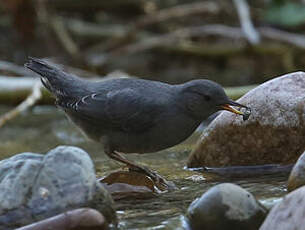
[139, 168]
[131, 165]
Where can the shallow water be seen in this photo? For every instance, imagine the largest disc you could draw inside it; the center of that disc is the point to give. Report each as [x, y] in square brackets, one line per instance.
[44, 127]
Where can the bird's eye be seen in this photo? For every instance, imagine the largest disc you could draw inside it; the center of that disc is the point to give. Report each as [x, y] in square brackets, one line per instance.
[207, 97]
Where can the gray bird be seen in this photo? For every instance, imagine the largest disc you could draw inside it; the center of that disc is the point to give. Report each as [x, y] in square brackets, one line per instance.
[133, 115]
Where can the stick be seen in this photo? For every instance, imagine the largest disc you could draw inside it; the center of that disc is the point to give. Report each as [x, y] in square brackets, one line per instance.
[178, 12]
[174, 38]
[161, 16]
[26, 104]
[275, 34]
[63, 35]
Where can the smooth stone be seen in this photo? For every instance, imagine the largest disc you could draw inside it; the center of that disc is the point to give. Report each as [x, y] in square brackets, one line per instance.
[289, 214]
[34, 186]
[297, 176]
[128, 184]
[274, 133]
[83, 218]
[226, 206]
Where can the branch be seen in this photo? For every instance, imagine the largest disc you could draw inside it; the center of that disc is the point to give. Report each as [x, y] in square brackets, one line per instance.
[63, 35]
[158, 17]
[179, 37]
[26, 104]
[178, 12]
[245, 21]
[56, 24]
[295, 39]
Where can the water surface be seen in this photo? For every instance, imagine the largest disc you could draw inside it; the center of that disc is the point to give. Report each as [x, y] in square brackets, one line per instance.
[44, 128]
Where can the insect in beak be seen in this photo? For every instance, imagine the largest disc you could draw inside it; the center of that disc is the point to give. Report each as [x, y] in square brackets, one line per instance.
[228, 107]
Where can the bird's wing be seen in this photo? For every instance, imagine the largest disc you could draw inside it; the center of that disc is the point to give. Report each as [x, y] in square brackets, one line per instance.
[125, 110]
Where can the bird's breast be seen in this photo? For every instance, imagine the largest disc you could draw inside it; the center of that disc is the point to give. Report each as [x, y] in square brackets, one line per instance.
[163, 135]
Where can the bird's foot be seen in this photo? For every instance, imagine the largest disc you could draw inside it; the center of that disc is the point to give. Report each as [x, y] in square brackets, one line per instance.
[160, 182]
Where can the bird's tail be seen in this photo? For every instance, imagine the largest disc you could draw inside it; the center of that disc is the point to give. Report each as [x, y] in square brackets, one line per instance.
[59, 83]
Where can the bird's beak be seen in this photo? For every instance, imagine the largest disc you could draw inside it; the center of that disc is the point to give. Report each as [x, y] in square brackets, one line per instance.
[231, 109]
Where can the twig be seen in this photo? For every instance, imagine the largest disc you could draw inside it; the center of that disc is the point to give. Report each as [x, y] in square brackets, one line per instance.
[161, 16]
[245, 21]
[27, 103]
[280, 35]
[63, 35]
[55, 23]
[182, 10]
[176, 37]
[167, 39]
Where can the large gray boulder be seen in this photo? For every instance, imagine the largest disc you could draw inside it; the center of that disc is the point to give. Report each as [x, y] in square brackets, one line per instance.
[226, 206]
[289, 214]
[274, 133]
[34, 186]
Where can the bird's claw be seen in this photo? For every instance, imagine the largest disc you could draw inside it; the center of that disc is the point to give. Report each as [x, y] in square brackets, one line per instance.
[157, 179]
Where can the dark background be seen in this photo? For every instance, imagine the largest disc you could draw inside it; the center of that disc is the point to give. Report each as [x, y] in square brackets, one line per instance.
[166, 40]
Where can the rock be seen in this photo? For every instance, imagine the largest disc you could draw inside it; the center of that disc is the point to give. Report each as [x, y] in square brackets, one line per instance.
[289, 214]
[34, 187]
[225, 206]
[248, 171]
[128, 184]
[274, 133]
[297, 175]
[84, 219]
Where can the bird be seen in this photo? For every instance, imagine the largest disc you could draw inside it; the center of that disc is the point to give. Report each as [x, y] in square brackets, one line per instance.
[129, 115]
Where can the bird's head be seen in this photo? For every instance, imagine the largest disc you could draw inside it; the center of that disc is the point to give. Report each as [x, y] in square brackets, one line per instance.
[204, 97]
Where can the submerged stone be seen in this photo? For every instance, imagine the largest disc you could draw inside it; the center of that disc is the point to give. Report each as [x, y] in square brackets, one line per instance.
[225, 206]
[273, 134]
[34, 186]
[297, 175]
[128, 184]
[289, 214]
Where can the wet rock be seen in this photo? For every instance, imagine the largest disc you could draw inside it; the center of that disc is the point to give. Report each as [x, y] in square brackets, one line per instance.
[289, 214]
[297, 175]
[84, 219]
[34, 186]
[128, 184]
[274, 133]
[225, 206]
[248, 171]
